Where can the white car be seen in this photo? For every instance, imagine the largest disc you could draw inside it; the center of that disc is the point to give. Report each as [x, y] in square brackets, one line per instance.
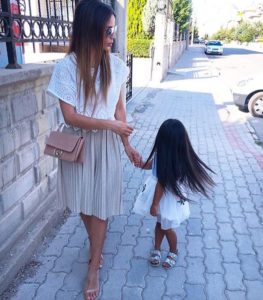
[248, 95]
[214, 47]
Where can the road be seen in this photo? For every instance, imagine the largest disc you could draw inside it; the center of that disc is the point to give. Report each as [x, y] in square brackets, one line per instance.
[234, 65]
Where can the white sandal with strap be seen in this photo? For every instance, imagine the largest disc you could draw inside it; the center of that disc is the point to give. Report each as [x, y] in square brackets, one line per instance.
[170, 260]
[155, 258]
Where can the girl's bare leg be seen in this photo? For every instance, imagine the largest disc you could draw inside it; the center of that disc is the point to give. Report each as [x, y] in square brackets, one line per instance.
[172, 240]
[159, 235]
[96, 229]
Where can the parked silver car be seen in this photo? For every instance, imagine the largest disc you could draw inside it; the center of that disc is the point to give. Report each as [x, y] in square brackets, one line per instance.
[248, 95]
[214, 47]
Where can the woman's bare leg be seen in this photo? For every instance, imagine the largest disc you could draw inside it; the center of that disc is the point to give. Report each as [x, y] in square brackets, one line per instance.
[96, 229]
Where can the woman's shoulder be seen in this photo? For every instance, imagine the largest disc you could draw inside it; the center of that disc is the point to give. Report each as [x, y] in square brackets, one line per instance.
[116, 61]
[68, 61]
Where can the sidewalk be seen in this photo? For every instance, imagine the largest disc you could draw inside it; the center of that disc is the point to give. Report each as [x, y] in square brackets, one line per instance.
[220, 247]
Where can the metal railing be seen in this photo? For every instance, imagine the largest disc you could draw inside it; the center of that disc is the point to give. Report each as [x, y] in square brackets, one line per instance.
[129, 62]
[40, 22]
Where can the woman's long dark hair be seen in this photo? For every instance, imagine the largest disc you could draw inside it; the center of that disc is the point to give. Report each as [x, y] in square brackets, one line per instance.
[177, 162]
[88, 31]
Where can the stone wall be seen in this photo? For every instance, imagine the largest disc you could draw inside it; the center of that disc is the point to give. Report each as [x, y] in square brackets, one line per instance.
[27, 176]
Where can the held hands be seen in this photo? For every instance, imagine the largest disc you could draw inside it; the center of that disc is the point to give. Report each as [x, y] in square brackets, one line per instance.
[133, 155]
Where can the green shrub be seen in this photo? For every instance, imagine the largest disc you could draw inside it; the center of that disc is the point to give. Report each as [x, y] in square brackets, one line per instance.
[139, 47]
[135, 10]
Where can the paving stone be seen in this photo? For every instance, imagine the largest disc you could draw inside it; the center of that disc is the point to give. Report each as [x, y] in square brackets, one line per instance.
[155, 288]
[194, 246]
[195, 270]
[129, 236]
[253, 220]
[226, 232]
[123, 257]
[66, 295]
[26, 291]
[240, 225]
[56, 246]
[135, 219]
[211, 239]
[46, 264]
[209, 221]
[175, 283]
[70, 255]
[213, 261]
[137, 272]
[111, 242]
[117, 224]
[132, 293]
[250, 267]
[222, 214]
[207, 206]
[194, 227]
[236, 295]
[70, 226]
[78, 238]
[244, 244]
[75, 279]
[195, 210]
[148, 225]
[235, 210]
[233, 276]
[113, 286]
[52, 285]
[143, 248]
[229, 251]
[215, 287]
[195, 291]
[254, 289]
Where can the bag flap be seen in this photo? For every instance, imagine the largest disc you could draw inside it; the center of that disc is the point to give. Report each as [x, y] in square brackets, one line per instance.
[62, 140]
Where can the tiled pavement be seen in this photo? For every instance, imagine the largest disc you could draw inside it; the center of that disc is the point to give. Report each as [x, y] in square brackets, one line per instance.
[220, 246]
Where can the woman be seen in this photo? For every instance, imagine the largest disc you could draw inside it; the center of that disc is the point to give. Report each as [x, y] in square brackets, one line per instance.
[88, 83]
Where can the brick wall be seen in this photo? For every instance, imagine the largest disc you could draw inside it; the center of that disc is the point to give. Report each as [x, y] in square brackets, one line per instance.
[27, 176]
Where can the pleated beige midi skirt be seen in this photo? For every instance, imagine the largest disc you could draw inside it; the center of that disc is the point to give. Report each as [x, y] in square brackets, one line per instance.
[95, 187]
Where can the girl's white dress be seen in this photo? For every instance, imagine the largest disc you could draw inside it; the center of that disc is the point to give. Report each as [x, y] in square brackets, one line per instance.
[171, 212]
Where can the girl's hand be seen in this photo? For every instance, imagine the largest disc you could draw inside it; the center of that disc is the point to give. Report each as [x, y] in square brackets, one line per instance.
[121, 128]
[154, 210]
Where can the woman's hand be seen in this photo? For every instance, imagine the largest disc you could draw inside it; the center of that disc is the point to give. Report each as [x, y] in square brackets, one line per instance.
[154, 210]
[133, 155]
[121, 128]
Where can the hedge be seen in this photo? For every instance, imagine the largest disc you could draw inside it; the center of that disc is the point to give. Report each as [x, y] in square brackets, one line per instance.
[139, 47]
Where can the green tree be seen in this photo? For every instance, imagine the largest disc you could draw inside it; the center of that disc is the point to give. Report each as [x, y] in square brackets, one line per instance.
[245, 32]
[182, 10]
[135, 27]
[196, 33]
[148, 17]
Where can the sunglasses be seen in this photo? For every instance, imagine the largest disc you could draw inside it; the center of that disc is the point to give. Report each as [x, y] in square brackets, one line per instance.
[110, 31]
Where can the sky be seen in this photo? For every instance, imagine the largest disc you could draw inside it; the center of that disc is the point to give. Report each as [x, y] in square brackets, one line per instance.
[210, 15]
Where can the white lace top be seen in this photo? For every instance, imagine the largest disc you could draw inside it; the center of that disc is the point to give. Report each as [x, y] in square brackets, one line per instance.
[63, 85]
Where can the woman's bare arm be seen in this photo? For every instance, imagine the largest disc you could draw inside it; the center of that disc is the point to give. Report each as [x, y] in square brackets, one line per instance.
[120, 115]
[75, 119]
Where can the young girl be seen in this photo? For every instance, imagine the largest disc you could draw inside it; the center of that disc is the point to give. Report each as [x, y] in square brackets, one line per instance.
[175, 166]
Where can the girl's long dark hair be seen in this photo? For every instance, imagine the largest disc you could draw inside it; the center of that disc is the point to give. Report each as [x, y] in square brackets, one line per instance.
[177, 162]
[86, 43]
